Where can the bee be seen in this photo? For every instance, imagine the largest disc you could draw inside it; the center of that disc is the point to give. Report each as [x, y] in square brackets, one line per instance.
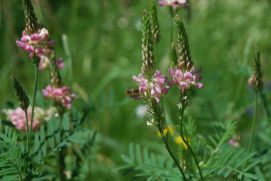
[133, 93]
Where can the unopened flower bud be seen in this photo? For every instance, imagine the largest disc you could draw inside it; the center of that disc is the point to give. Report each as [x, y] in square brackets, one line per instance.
[20, 93]
[255, 81]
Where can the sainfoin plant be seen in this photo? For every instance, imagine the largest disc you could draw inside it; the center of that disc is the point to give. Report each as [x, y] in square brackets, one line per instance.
[185, 127]
[45, 135]
[189, 156]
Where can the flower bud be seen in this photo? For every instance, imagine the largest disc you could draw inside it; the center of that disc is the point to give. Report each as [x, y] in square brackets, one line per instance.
[20, 93]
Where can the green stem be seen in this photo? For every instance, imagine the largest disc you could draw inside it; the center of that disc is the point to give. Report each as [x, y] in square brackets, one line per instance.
[254, 121]
[158, 116]
[61, 165]
[27, 130]
[34, 97]
[187, 143]
[172, 155]
[61, 153]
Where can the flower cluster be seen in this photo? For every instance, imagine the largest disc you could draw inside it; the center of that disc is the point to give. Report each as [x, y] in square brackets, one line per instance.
[36, 44]
[184, 79]
[61, 95]
[18, 119]
[173, 3]
[159, 84]
[156, 87]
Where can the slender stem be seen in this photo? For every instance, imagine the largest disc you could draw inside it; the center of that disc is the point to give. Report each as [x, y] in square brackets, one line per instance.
[27, 131]
[34, 98]
[172, 155]
[27, 139]
[61, 165]
[254, 121]
[61, 154]
[187, 143]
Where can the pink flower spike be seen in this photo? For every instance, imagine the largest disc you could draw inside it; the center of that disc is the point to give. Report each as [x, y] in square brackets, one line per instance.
[18, 119]
[184, 80]
[61, 95]
[158, 86]
[35, 44]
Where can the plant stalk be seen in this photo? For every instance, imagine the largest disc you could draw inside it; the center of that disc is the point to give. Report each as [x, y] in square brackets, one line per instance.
[27, 131]
[187, 143]
[34, 96]
[171, 154]
[254, 121]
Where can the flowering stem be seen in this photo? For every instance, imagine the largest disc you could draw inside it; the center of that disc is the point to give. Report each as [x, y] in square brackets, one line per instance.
[186, 142]
[34, 96]
[158, 116]
[254, 121]
[171, 153]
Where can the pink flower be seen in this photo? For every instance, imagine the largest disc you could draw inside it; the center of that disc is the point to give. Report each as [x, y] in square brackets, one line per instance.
[158, 86]
[234, 141]
[61, 95]
[44, 63]
[18, 119]
[60, 63]
[143, 83]
[173, 3]
[36, 44]
[184, 80]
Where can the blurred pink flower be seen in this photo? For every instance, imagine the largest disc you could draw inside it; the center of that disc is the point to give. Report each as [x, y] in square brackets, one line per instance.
[60, 63]
[234, 141]
[143, 83]
[44, 63]
[61, 95]
[184, 80]
[158, 86]
[173, 3]
[18, 119]
[35, 44]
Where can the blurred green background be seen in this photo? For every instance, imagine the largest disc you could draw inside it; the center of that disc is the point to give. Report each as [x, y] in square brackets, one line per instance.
[100, 41]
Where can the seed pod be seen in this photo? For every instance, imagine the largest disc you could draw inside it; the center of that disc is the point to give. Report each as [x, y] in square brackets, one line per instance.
[183, 50]
[20, 94]
[31, 23]
[147, 45]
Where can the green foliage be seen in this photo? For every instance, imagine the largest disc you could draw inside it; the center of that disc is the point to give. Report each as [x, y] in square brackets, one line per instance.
[229, 162]
[222, 132]
[59, 134]
[149, 165]
[13, 159]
